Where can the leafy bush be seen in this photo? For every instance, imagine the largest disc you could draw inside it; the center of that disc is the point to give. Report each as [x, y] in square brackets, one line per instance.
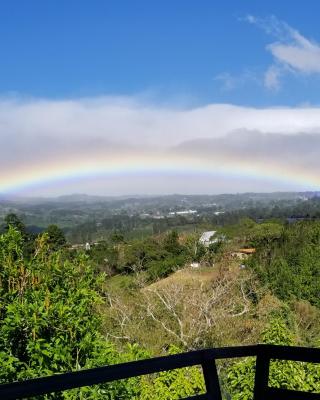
[290, 265]
[283, 374]
[175, 384]
[48, 318]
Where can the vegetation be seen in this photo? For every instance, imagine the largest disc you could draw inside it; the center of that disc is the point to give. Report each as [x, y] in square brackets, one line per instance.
[91, 218]
[289, 263]
[65, 308]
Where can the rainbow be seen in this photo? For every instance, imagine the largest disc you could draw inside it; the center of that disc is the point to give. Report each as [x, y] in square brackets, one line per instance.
[80, 167]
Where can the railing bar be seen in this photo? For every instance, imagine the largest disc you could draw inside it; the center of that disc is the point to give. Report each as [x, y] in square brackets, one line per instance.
[102, 374]
[211, 380]
[233, 352]
[94, 376]
[197, 397]
[290, 353]
[286, 394]
[106, 374]
[261, 377]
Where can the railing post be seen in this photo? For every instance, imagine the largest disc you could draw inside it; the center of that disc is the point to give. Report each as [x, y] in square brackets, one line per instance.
[261, 375]
[211, 380]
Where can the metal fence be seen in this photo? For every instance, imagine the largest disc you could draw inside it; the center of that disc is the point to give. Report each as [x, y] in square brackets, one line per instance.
[205, 358]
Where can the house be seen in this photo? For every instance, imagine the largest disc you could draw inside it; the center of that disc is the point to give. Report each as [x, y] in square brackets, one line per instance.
[218, 212]
[243, 254]
[247, 251]
[207, 238]
[184, 212]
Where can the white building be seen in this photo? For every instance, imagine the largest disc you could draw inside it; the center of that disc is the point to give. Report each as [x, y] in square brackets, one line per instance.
[219, 212]
[184, 212]
[207, 238]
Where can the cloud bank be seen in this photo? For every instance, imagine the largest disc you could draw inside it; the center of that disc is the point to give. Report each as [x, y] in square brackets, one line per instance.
[34, 132]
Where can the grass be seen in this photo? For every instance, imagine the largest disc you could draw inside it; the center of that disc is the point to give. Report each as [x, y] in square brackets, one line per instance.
[120, 282]
[188, 276]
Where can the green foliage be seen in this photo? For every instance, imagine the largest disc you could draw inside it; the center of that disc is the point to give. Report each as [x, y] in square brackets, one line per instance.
[171, 243]
[48, 321]
[239, 379]
[49, 302]
[105, 257]
[175, 384]
[119, 390]
[290, 265]
[216, 247]
[56, 238]
[12, 220]
[49, 324]
[117, 237]
[162, 268]
[47, 308]
[157, 257]
[261, 235]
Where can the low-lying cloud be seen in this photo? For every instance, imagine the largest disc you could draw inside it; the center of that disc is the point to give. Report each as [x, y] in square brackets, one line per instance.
[35, 131]
[300, 150]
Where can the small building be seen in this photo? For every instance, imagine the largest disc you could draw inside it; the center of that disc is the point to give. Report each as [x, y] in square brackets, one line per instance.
[243, 254]
[218, 212]
[247, 251]
[145, 215]
[207, 238]
[76, 246]
[184, 212]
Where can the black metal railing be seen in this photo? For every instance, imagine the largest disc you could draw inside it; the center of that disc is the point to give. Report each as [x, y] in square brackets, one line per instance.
[205, 358]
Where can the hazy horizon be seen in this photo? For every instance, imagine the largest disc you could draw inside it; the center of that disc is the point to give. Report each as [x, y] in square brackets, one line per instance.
[146, 195]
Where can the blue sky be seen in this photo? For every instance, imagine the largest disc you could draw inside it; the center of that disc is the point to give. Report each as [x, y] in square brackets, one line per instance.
[200, 51]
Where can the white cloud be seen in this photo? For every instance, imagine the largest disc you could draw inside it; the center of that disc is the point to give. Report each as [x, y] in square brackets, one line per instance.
[292, 52]
[297, 151]
[39, 131]
[302, 56]
[41, 123]
[272, 78]
[230, 82]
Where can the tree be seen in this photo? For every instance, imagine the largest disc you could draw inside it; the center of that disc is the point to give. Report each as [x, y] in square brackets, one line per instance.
[12, 220]
[49, 324]
[264, 234]
[117, 237]
[56, 238]
[184, 312]
[49, 321]
[193, 248]
[171, 243]
[290, 264]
